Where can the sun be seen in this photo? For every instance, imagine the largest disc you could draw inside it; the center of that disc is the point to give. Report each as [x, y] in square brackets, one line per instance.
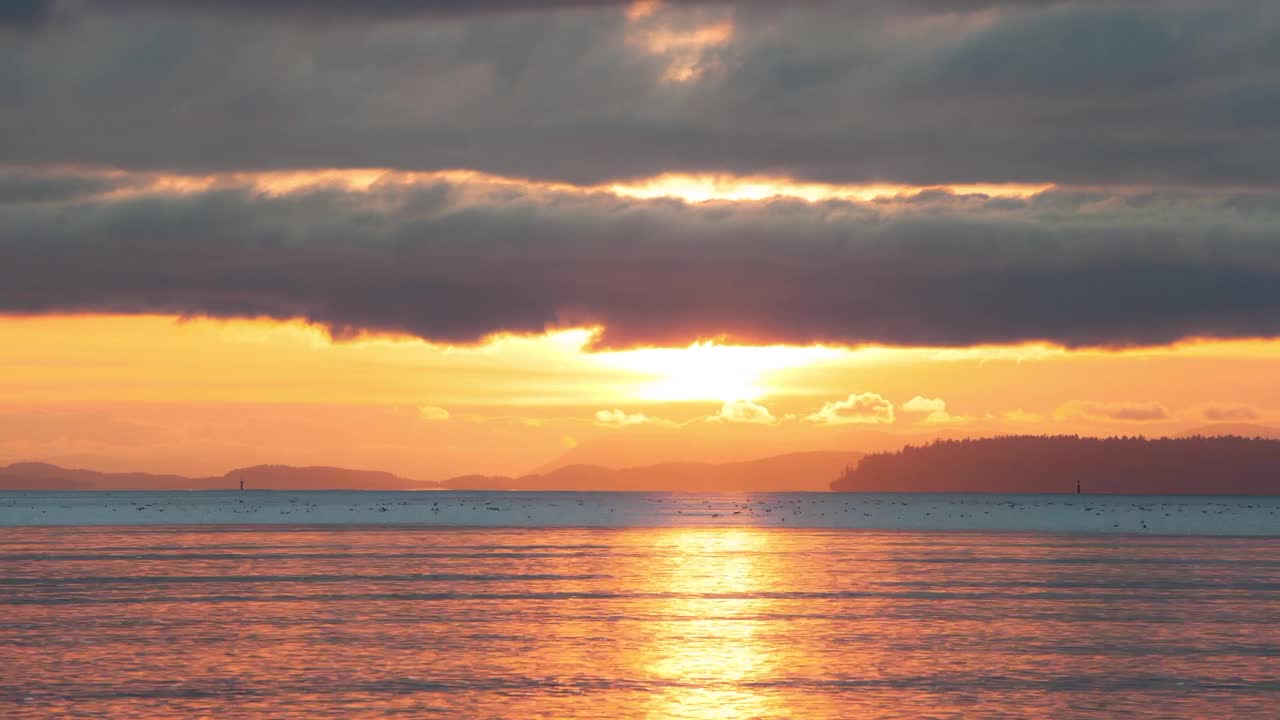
[707, 371]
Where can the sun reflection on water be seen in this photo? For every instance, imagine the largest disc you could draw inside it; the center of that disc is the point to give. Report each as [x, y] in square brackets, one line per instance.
[706, 652]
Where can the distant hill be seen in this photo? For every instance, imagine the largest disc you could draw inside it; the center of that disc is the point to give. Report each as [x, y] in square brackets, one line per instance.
[806, 471]
[1054, 464]
[1248, 430]
[642, 446]
[286, 477]
[43, 476]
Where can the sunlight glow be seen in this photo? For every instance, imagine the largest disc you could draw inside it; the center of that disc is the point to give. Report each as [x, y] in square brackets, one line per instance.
[470, 185]
[667, 40]
[642, 9]
[684, 42]
[706, 371]
[77, 359]
[699, 188]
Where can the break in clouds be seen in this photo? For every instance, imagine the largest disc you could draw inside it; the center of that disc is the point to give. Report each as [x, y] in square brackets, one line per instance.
[458, 260]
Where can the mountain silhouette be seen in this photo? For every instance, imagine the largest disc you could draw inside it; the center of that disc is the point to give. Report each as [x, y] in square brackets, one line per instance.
[1247, 430]
[43, 476]
[805, 471]
[794, 472]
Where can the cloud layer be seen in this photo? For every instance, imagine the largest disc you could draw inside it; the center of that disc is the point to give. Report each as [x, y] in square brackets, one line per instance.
[133, 145]
[457, 261]
[27, 12]
[1181, 92]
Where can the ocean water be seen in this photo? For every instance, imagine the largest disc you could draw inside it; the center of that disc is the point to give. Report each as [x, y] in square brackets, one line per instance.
[1178, 515]
[304, 621]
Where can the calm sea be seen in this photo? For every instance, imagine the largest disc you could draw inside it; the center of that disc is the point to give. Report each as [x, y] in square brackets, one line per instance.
[678, 622]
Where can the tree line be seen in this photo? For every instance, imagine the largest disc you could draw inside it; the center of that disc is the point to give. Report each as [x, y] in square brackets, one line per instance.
[1198, 465]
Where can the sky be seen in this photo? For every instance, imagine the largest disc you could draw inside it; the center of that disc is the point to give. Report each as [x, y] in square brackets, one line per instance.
[440, 237]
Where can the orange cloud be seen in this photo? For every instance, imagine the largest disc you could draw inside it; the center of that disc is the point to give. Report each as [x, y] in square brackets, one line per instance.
[866, 408]
[745, 411]
[688, 187]
[1238, 413]
[1116, 411]
[935, 409]
[621, 418]
[685, 42]
[1020, 416]
[431, 413]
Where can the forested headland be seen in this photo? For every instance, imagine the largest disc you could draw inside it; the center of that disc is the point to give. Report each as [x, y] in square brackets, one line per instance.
[1060, 463]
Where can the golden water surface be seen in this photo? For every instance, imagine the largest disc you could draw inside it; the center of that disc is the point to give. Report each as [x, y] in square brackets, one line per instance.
[700, 623]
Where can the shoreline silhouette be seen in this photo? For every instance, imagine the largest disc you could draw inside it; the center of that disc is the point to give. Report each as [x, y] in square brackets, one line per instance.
[1196, 465]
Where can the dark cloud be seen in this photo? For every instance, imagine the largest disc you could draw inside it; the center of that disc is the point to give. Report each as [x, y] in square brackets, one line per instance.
[31, 13]
[1085, 92]
[1091, 94]
[35, 186]
[23, 13]
[1070, 51]
[457, 262]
